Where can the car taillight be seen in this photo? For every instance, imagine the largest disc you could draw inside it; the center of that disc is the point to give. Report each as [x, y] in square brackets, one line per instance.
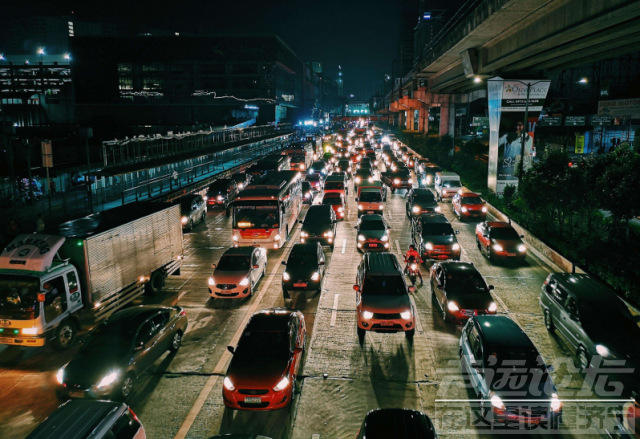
[183, 313]
[134, 415]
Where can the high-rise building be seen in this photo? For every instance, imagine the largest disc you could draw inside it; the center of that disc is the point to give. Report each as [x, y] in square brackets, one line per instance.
[430, 22]
[409, 19]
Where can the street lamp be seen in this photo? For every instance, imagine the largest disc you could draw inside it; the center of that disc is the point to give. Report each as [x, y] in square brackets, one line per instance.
[477, 80]
[41, 51]
[67, 56]
[583, 81]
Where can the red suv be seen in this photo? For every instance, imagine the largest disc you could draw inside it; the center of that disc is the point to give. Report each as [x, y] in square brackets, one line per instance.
[266, 361]
[468, 205]
[500, 240]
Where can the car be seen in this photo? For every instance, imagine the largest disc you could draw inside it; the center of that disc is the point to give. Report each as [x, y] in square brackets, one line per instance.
[468, 205]
[382, 297]
[242, 179]
[305, 271]
[337, 202]
[499, 240]
[90, 419]
[419, 165]
[592, 318]
[329, 158]
[193, 210]
[370, 201]
[320, 224]
[337, 183]
[316, 181]
[375, 184]
[490, 347]
[396, 423]
[344, 165]
[434, 237]
[372, 158]
[427, 177]
[119, 350]
[420, 201]
[362, 176]
[266, 361]
[222, 192]
[319, 167]
[460, 291]
[447, 184]
[372, 233]
[307, 192]
[399, 179]
[237, 273]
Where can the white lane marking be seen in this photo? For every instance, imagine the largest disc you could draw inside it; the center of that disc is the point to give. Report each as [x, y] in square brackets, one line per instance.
[398, 247]
[415, 308]
[226, 356]
[334, 310]
[344, 245]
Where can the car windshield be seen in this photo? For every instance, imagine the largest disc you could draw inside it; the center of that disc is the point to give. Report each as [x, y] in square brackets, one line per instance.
[335, 185]
[363, 173]
[233, 263]
[313, 177]
[302, 258]
[471, 200]
[372, 225]
[370, 196]
[19, 293]
[255, 217]
[262, 345]
[332, 201]
[424, 197]
[109, 338]
[317, 216]
[504, 233]
[466, 283]
[384, 286]
[451, 183]
[440, 229]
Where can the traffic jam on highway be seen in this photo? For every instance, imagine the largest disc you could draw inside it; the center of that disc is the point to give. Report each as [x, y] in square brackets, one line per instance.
[345, 287]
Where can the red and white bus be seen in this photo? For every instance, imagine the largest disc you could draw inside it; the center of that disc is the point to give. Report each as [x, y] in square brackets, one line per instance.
[267, 210]
[301, 154]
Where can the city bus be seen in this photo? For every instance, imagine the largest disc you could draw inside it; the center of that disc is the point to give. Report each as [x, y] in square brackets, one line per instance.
[266, 211]
[301, 154]
[272, 162]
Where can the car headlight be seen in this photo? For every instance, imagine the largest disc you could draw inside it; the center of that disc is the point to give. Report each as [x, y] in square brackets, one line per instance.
[602, 350]
[108, 379]
[286, 276]
[228, 384]
[367, 315]
[348, 169]
[424, 181]
[307, 195]
[453, 306]
[437, 209]
[282, 384]
[304, 234]
[211, 281]
[497, 402]
[410, 181]
[415, 209]
[414, 266]
[184, 220]
[484, 210]
[493, 307]
[556, 404]
[360, 237]
[358, 179]
[60, 375]
[384, 238]
[406, 315]
[340, 209]
[497, 247]
[463, 209]
[455, 246]
[381, 207]
[244, 282]
[277, 237]
[360, 207]
[522, 248]
[429, 180]
[315, 276]
[429, 246]
[29, 331]
[396, 181]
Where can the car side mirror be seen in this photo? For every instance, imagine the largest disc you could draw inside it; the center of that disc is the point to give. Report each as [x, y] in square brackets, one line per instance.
[297, 351]
[356, 287]
[256, 266]
[321, 263]
[231, 349]
[491, 287]
[412, 289]
[550, 368]
[457, 232]
[284, 262]
[213, 265]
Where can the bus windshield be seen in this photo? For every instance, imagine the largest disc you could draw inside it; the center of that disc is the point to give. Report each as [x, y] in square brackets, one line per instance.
[19, 293]
[256, 217]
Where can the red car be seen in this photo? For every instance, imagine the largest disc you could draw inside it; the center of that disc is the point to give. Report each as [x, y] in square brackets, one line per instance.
[468, 205]
[500, 240]
[337, 203]
[266, 361]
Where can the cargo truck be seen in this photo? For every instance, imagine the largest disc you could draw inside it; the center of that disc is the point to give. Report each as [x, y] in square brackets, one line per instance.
[96, 264]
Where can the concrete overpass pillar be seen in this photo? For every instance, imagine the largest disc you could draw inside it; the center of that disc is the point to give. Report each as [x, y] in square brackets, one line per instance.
[423, 121]
[401, 119]
[410, 120]
[447, 119]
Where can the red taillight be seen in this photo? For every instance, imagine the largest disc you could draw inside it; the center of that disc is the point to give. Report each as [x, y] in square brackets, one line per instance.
[183, 313]
[134, 415]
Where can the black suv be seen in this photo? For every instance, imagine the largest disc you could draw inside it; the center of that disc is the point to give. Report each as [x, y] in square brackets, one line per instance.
[397, 423]
[319, 225]
[421, 201]
[434, 237]
[222, 192]
[305, 271]
[491, 347]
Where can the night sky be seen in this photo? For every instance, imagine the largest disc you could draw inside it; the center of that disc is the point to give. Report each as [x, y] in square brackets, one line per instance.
[361, 36]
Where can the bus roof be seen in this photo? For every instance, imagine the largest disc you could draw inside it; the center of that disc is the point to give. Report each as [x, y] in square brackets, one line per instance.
[274, 184]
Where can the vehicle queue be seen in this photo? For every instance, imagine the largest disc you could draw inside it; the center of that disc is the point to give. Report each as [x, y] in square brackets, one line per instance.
[268, 357]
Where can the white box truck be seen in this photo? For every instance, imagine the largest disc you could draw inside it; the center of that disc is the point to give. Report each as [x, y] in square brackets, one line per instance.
[98, 263]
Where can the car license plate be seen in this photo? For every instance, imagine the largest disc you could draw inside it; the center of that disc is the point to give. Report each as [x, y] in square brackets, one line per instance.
[386, 323]
[373, 245]
[300, 285]
[76, 394]
[511, 254]
[253, 400]
[370, 212]
[531, 421]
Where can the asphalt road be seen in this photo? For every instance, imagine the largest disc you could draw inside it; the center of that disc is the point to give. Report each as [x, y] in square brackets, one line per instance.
[180, 395]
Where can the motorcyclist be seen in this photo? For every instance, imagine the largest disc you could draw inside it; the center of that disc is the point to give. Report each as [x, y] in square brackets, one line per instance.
[413, 256]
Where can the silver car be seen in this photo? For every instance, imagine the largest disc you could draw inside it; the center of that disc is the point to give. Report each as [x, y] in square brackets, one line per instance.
[238, 272]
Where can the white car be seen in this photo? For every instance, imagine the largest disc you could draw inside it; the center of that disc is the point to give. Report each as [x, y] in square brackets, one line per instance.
[238, 272]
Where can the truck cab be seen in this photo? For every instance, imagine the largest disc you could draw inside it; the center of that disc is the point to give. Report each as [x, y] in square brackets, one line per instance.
[39, 293]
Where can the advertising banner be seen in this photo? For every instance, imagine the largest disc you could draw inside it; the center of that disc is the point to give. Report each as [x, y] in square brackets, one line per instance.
[511, 136]
[620, 108]
[575, 121]
[480, 121]
[579, 144]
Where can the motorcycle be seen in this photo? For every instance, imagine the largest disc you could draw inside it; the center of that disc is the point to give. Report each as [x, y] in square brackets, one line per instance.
[412, 269]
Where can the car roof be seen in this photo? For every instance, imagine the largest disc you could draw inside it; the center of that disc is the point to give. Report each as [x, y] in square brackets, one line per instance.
[420, 191]
[270, 320]
[386, 423]
[501, 331]
[498, 224]
[459, 267]
[240, 251]
[78, 419]
[381, 264]
[371, 217]
[468, 195]
[131, 318]
[307, 247]
[585, 288]
[433, 218]
[448, 174]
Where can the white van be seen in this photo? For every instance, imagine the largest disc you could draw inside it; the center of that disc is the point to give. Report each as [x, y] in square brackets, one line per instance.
[447, 184]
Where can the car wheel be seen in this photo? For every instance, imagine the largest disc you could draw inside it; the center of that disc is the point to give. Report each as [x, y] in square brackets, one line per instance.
[155, 284]
[65, 335]
[264, 271]
[583, 358]
[548, 322]
[488, 251]
[176, 342]
[127, 386]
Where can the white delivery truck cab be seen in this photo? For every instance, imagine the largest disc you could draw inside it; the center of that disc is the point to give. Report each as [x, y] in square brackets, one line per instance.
[447, 184]
[98, 263]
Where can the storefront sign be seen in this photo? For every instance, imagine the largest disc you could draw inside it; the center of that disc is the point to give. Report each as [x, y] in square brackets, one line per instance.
[551, 121]
[514, 94]
[600, 120]
[620, 108]
[579, 144]
[575, 121]
[461, 112]
[480, 121]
